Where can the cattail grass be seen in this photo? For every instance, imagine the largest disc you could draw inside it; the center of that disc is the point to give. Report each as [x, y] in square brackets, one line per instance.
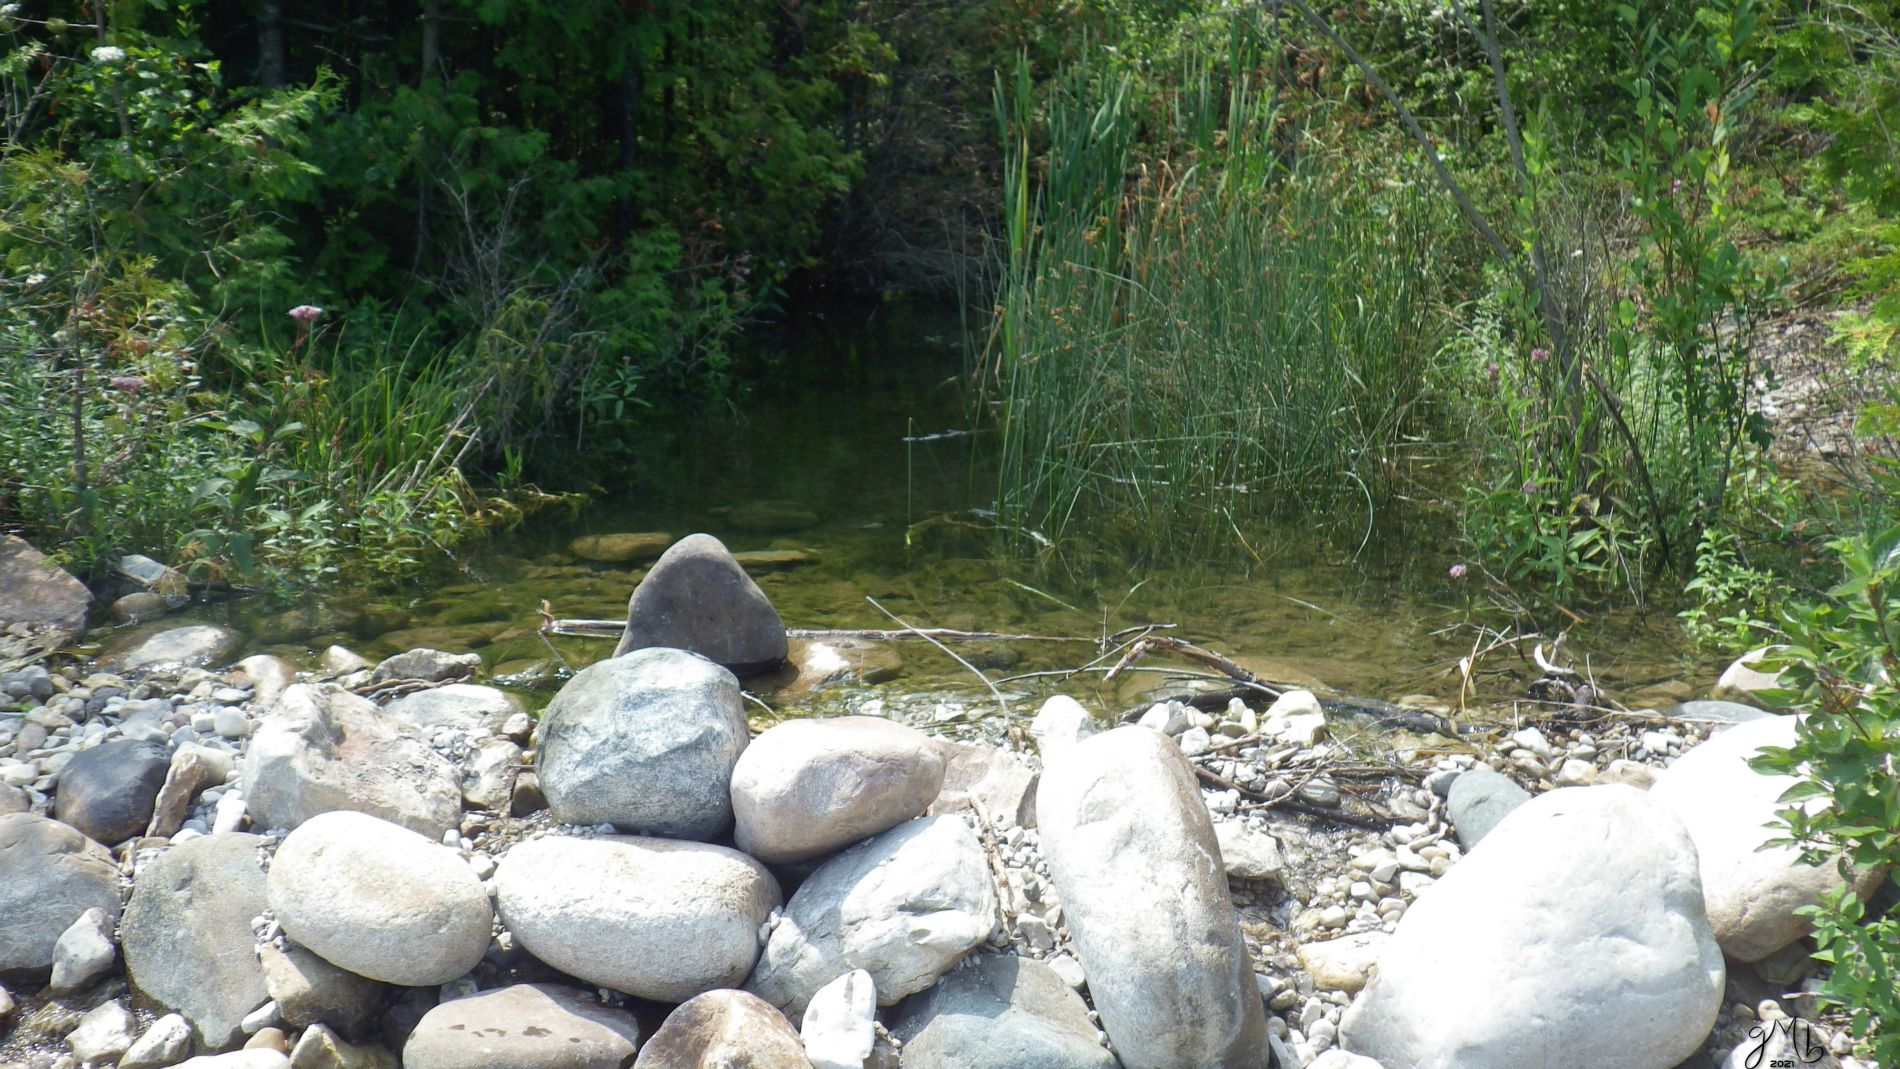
[1207, 322]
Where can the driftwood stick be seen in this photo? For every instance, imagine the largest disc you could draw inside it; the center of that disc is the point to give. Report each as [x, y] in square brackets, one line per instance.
[948, 652]
[613, 628]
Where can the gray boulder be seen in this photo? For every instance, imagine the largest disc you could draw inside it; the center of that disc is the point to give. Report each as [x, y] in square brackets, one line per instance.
[36, 592]
[322, 748]
[655, 918]
[430, 666]
[807, 788]
[1000, 1012]
[107, 792]
[466, 707]
[1582, 920]
[983, 779]
[645, 742]
[1479, 799]
[696, 597]
[904, 907]
[1751, 890]
[50, 875]
[526, 1026]
[724, 1030]
[268, 675]
[309, 990]
[379, 900]
[83, 953]
[169, 649]
[1133, 856]
[187, 933]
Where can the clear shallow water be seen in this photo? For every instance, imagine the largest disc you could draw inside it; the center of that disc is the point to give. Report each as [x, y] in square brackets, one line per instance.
[852, 450]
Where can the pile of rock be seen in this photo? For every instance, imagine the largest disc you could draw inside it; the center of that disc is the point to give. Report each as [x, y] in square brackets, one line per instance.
[431, 876]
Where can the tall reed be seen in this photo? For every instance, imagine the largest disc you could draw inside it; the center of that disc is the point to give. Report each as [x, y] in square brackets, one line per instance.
[1206, 320]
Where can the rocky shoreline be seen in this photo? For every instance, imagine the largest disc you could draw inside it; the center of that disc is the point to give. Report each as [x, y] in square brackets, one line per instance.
[216, 861]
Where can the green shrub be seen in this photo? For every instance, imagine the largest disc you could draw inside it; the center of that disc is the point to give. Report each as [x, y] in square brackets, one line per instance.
[1840, 669]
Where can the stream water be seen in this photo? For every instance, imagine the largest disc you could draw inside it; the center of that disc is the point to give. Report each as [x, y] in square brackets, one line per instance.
[853, 451]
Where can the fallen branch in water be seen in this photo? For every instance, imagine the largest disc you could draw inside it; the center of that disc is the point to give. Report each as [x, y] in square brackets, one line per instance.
[613, 629]
[974, 670]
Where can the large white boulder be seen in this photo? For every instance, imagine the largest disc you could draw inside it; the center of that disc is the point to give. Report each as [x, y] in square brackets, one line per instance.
[1751, 891]
[656, 918]
[904, 907]
[379, 900]
[1132, 854]
[807, 788]
[1579, 918]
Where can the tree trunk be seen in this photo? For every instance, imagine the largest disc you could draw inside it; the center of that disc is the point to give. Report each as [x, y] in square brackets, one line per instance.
[270, 44]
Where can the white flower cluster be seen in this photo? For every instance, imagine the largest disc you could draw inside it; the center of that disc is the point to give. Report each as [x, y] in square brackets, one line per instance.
[108, 54]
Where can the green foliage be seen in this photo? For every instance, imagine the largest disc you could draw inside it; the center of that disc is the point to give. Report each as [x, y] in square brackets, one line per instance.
[1206, 318]
[1732, 600]
[1839, 669]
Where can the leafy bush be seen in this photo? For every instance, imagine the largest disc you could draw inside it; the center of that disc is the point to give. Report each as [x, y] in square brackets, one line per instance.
[1840, 669]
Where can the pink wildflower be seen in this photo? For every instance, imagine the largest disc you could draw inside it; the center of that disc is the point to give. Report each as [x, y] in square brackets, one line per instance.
[306, 314]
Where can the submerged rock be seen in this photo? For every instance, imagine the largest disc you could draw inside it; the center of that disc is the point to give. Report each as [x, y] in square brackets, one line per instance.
[646, 742]
[1582, 918]
[696, 597]
[1132, 853]
[169, 649]
[620, 548]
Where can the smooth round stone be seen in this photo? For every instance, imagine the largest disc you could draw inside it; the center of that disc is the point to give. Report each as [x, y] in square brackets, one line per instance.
[807, 788]
[170, 648]
[107, 792]
[527, 1026]
[379, 900]
[655, 918]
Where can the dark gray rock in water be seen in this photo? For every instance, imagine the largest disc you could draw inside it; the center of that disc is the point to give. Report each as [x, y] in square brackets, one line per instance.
[37, 592]
[645, 742]
[168, 649]
[49, 875]
[1480, 798]
[696, 597]
[722, 1029]
[107, 792]
[1000, 1012]
[527, 1026]
[187, 933]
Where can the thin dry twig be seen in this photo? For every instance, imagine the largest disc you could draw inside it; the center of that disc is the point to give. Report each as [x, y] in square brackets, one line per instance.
[1001, 703]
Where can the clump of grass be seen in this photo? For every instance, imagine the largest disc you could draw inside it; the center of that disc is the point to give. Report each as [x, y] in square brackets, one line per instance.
[1207, 321]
